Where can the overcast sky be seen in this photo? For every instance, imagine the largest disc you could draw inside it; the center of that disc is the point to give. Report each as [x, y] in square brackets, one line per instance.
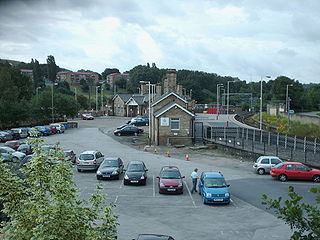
[240, 38]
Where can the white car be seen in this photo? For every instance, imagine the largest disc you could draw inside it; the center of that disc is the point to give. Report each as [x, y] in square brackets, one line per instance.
[264, 163]
[60, 127]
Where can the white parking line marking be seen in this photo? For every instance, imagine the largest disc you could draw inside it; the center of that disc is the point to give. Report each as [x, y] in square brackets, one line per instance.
[121, 185]
[115, 201]
[153, 188]
[194, 204]
[235, 205]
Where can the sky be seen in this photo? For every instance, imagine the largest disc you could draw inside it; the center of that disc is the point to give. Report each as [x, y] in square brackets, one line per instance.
[248, 39]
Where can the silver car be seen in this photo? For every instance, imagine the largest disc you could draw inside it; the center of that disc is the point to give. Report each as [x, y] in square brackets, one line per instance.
[8, 154]
[89, 160]
[264, 163]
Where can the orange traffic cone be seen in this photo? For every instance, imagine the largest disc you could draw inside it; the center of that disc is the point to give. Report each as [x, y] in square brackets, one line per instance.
[168, 154]
[187, 157]
[155, 150]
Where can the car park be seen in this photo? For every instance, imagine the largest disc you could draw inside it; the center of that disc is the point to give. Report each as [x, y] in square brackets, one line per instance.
[14, 144]
[87, 116]
[213, 188]
[294, 170]
[8, 154]
[170, 180]
[33, 132]
[23, 133]
[264, 163]
[135, 173]
[25, 148]
[5, 136]
[128, 130]
[110, 168]
[15, 135]
[153, 237]
[89, 160]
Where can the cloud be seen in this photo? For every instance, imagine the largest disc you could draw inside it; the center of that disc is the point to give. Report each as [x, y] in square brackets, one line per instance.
[240, 38]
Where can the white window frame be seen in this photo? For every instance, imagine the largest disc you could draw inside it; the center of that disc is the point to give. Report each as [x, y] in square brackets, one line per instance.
[175, 120]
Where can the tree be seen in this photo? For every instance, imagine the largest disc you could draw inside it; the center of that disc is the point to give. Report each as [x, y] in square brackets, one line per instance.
[303, 218]
[37, 74]
[84, 85]
[52, 68]
[108, 71]
[121, 83]
[45, 204]
[83, 101]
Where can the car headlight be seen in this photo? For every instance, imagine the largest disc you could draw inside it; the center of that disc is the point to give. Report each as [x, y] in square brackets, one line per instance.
[180, 185]
[208, 194]
[126, 177]
[99, 173]
[227, 195]
[142, 177]
[161, 185]
[115, 172]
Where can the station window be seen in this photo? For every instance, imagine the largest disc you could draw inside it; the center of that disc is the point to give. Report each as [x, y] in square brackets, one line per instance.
[175, 124]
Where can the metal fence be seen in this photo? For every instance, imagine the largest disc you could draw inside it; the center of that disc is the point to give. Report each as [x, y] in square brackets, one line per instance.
[287, 147]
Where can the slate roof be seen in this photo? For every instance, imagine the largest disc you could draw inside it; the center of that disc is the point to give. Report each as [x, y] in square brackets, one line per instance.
[168, 107]
[164, 96]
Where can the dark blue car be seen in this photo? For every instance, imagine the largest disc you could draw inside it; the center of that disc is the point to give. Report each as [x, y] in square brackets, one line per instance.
[45, 131]
[213, 188]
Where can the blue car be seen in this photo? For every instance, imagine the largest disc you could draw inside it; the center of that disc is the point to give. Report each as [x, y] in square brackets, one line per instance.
[213, 188]
[45, 131]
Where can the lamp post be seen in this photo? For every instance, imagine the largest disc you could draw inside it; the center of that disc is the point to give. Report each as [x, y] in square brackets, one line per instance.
[102, 98]
[52, 113]
[288, 104]
[148, 82]
[261, 101]
[218, 92]
[37, 93]
[228, 100]
[97, 98]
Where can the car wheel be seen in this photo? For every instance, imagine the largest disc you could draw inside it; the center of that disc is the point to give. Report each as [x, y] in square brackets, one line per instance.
[98, 178]
[125, 183]
[79, 170]
[283, 177]
[15, 159]
[199, 192]
[316, 178]
[136, 134]
[119, 134]
[261, 171]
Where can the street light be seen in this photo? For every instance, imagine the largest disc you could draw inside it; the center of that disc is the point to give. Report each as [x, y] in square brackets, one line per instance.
[218, 92]
[148, 82]
[97, 98]
[288, 104]
[52, 114]
[102, 99]
[261, 101]
[228, 98]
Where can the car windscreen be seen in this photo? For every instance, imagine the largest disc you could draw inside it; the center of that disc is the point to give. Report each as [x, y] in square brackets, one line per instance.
[135, 168]
[86, 157]
[110, 163]
[10, 143]
[7, 149]
[170, 175]
[214, 182]
[279, 165]
[24, 147]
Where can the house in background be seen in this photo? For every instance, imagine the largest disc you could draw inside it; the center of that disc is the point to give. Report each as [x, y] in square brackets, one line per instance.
[28, 73]
[74, 78]
[129, 105]
[114, 77]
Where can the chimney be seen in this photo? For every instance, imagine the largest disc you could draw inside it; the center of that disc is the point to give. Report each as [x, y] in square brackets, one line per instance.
[158, 91]
[144, 89]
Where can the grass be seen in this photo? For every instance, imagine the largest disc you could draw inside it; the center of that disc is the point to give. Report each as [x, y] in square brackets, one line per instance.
[296, 128]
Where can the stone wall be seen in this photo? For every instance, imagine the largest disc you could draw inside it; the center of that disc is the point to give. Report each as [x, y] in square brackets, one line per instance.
[171, 98]
[118, 107]
[303, 118]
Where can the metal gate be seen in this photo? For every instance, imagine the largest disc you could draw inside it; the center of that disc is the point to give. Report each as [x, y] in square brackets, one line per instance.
[198, 131]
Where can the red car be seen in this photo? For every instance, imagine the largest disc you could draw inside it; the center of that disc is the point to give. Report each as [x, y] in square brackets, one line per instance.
[294, 170]
[87, 117]
[170, 180]
[53, 129]
[13, 144]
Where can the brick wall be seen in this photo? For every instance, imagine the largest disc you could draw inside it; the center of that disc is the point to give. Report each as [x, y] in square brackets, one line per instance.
[118, 107]
[167, 100]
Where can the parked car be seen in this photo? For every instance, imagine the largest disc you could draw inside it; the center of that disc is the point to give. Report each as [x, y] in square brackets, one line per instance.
[8, 154]
[15, 135]
[153, 237]
[5, 136]
[60, 127]
[87, 116]
[33, 132]
[22, 132]
[70, 155]
[136, 173]
[137, 117]
[89, 160]
[14, 144]
[43, 130]
[25, 148]
[213, 188]
[111, 167]
[122, 126]
[52, 129]
[128, 130]
[294, 170]
[170, 180]
[139, 121]
[264, 163]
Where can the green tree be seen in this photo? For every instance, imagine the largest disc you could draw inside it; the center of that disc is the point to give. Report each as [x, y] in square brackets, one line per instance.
[108, 71]
[303, 218]
[121, 83]
[37, 74]
[82, 101]
[45, 204]
[84, 85]
[52, 68]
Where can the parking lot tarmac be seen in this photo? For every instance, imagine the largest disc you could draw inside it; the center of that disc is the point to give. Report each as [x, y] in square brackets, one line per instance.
[141, 209]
